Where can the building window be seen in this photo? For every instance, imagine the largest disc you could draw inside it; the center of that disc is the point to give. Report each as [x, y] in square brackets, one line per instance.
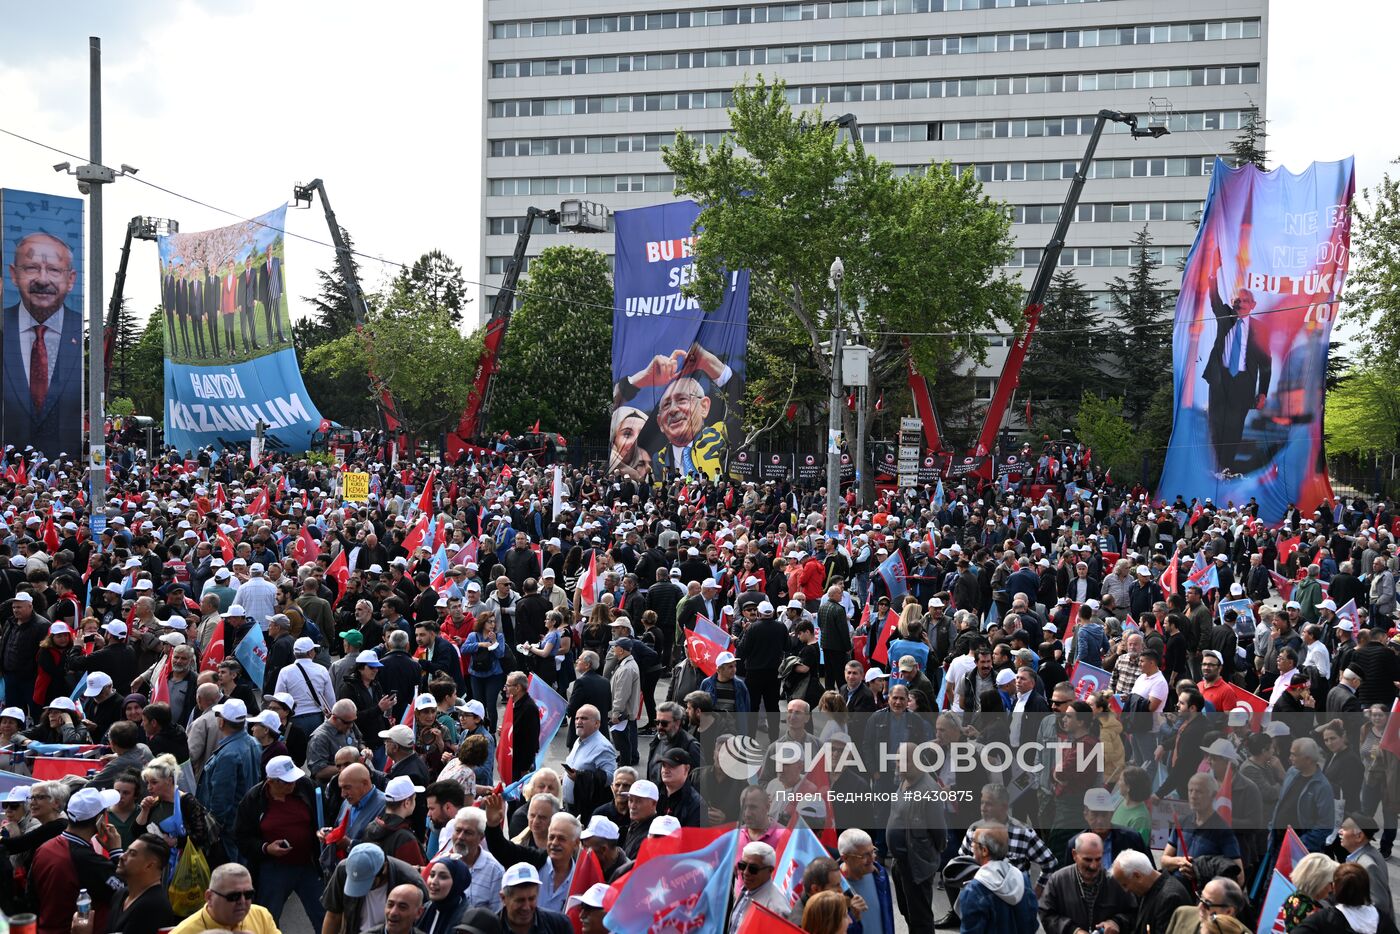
[984, 387]
[886, 91]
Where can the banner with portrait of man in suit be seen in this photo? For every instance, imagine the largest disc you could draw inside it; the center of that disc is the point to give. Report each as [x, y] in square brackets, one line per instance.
[677, 368]
[41, 295]
[1253, 323]
[229, 359]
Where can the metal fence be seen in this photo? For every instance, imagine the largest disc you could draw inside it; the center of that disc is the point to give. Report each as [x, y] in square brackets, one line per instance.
[1368, 474]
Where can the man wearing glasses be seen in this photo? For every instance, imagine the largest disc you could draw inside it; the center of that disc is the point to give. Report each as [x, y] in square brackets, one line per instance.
[755, 869]
[228, 905]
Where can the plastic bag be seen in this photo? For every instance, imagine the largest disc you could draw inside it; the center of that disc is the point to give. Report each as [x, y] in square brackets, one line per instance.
[189, 881]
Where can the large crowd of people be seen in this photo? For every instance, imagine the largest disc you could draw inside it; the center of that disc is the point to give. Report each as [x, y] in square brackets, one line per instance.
[279, 694]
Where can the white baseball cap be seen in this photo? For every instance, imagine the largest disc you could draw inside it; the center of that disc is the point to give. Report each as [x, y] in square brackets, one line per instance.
[14, 713]
[725, 658]
[519, 874]
[60, 628]
[663, 826]
[63, 703]
[304, 646]
[270, 720]
[424, 702]
[474, 707]
[601, 828]
[593, 896]
[367, 657]
[97, 682]
[401, 788]
[1101, 799]
[89, 802]
[232, 710]
[282, 768]
[173, 638]
[643, 788]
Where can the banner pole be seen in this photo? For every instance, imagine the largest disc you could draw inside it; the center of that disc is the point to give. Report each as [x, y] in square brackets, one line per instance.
[97, 440]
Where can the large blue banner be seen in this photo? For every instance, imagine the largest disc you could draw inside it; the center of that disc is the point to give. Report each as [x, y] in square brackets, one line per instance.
[229, 361]
[677, 368]
[41, 253]
[1252, 328]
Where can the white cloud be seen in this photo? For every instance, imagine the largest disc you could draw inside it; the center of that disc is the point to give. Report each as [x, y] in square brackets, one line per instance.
[382, 103]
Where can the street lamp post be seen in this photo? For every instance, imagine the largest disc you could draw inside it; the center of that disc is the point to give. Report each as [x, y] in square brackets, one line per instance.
[833, 453]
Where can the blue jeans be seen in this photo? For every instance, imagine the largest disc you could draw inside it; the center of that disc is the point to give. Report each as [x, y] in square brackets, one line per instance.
[488, 691]
[309, 721]
[277, 883]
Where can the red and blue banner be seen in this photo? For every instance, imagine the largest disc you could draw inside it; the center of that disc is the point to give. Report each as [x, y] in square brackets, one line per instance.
[686, 891]
[677, 368]
[1253, 324]
[229, 360]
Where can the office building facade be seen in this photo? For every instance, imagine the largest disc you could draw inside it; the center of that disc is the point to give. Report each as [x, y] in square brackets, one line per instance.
[582, 94]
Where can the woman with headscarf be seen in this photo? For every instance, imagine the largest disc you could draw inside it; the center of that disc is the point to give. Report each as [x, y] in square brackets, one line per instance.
[628, 457]
[448, 881]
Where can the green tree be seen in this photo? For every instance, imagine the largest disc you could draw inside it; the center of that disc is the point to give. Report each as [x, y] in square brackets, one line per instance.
[417, 353]
[555, 361]
[146, 383]
[1101, 425]
[1248, 147]
[1142, 302]
[344, 397]
[783, 196]
[333, 314]
[124, 338]
[1373, 283]
[1065, 354]
[1363, 412]
[439, 281]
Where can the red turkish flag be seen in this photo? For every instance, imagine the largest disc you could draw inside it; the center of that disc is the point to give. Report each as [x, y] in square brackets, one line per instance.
[306, 548]
[225, 546]
[340, 570]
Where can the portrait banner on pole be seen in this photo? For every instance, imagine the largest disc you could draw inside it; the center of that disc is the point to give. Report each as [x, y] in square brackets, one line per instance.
[41, 252]
[229, 360]
[677, 368]
[1254, 318]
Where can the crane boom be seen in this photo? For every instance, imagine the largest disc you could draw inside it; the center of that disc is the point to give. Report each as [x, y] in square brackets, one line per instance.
[389, 421]
[1040, 286]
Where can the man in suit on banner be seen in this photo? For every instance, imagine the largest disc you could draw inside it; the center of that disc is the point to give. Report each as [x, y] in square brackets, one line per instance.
[270, 291]
[43, 352]
[213, 299]
[167, 300]
[691, 420]
[182, 312]
[1238, 371]
[247, 297]
[229, 305]
[197, 312]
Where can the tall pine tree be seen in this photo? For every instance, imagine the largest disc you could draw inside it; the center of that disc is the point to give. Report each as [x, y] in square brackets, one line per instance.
[341, 396]
[1066, 358]
[1141, 303]
[333, 315]
[124, 338]
[438, 281]
[1248, 147]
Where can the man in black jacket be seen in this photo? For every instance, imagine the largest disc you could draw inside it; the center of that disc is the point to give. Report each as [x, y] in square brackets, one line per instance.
[521, 562]
[835, 636]
[589, 687]
[19, 647]
[530, 612]
[761, 649]
[670, 734]
[525, 726]
[679, 798]
[116, 659]
[662, 598]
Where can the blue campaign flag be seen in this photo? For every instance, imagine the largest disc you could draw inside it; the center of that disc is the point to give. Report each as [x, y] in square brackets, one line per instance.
[938, 496]
[709, 631]
[220, 385]
[801, 848]
[678, 892]
[1271, 917]
[78, 691]
[553, 708]
[252, 653]
[893, 572]
[516, 790]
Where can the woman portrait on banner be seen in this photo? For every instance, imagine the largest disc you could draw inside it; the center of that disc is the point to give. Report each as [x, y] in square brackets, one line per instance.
[628, 457]
[689, 418]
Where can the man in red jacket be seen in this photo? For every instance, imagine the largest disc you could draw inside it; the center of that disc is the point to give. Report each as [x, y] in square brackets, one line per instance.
[813, 581]
[69, 862]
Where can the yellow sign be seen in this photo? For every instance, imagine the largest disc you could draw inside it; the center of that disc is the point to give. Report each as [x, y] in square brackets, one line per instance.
[356, 486]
